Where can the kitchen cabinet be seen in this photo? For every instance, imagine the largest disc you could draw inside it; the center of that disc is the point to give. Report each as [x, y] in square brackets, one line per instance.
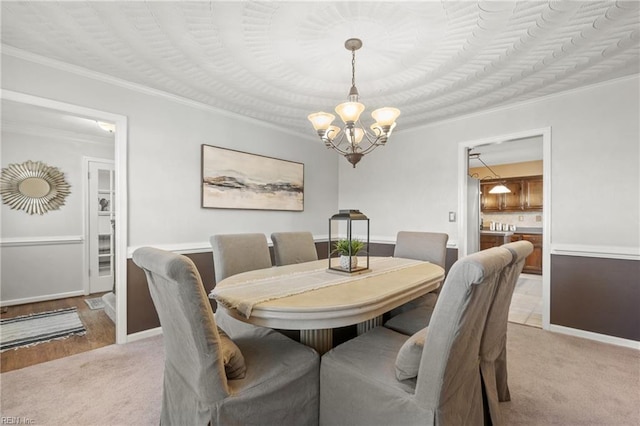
[488, 241]
[489, 202]
[525, 195]
[532, 193]
[512, 200]
[533, 262]
[494, 240]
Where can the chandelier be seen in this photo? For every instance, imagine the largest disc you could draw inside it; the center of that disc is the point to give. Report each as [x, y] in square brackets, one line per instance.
[353, 140]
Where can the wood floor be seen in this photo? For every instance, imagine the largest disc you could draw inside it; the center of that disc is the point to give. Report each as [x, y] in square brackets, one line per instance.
[100, 332]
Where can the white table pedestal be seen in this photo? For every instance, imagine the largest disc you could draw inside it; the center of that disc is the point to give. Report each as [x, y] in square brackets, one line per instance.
[367, 325]
[321, 340]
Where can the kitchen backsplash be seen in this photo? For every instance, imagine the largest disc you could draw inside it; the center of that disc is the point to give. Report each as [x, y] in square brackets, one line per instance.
[520, 220]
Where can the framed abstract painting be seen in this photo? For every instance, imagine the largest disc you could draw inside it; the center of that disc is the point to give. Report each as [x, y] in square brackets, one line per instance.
[240, 180]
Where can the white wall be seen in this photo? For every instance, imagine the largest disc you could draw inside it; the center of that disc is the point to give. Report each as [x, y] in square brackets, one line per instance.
[42, 254]
[165, 138]
[58, 152]
[411, 184]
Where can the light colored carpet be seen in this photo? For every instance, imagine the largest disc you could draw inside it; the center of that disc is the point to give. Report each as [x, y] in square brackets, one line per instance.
[564, 380]
[554, 380]
[113, 385]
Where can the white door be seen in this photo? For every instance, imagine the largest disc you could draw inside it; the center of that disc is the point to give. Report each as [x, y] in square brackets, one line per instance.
[101, 227]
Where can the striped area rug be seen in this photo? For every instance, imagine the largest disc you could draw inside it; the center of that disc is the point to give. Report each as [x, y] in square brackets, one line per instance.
[29, 330]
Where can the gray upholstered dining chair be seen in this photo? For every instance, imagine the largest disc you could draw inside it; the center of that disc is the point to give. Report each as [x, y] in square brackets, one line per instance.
[431, 378]
[493, 348]
[234, 254]
[260, 378]
[427, 246]
[293, 247]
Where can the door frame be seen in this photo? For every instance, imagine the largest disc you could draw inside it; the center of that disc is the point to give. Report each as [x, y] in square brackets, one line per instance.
[121, 209]
[463, 167]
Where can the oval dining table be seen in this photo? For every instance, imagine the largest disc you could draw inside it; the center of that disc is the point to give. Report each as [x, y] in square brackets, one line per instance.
[313, 299]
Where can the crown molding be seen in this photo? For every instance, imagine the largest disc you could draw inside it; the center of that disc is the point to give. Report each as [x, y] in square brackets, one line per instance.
[520, 103]
[115, 81]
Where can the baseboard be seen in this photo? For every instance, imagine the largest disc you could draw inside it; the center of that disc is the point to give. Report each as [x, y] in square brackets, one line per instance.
[144, 334]
[595, 336]
[42, 298]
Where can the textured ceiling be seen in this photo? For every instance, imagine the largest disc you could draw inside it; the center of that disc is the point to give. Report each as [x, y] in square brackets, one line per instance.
[280, 61]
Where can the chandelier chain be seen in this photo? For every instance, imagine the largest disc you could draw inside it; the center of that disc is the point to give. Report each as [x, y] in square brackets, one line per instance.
[353, 67]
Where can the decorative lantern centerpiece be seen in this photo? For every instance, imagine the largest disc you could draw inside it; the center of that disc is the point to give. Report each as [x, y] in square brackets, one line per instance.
[348, 237]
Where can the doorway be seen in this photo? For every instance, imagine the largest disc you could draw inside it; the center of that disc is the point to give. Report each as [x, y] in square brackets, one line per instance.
[466, 226]
[120, 191]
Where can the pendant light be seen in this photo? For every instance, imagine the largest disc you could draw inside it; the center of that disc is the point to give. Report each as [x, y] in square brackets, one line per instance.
[499, 188]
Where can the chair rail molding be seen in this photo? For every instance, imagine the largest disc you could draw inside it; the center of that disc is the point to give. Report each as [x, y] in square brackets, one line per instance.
[205, 246]
[41, 241]
[608, 252]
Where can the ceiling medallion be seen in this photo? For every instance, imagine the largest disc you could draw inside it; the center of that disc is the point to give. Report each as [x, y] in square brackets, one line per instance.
[354, 141]
[33, 187]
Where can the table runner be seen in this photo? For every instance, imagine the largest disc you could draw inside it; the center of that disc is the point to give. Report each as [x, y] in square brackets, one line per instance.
[244, 295]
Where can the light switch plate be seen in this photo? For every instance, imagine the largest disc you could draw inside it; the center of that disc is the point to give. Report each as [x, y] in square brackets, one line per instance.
[452, 216]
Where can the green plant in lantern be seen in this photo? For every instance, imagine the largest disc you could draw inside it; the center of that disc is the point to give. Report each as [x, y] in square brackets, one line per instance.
[342, 247]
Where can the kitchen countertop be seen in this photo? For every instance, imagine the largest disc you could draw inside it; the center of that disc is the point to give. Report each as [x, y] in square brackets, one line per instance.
[500, 233]
[523, 230]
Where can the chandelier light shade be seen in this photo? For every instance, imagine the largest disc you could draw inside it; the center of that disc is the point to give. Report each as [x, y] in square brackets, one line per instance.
[352, 140]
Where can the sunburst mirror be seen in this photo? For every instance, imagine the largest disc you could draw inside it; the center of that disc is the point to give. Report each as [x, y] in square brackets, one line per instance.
[33, 187]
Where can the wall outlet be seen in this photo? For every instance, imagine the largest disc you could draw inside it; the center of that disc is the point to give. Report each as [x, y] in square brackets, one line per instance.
[538, 218]
[452, 216]
[521, 218]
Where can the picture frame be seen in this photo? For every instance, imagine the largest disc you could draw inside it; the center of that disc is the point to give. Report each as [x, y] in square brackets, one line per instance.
[233, 179]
